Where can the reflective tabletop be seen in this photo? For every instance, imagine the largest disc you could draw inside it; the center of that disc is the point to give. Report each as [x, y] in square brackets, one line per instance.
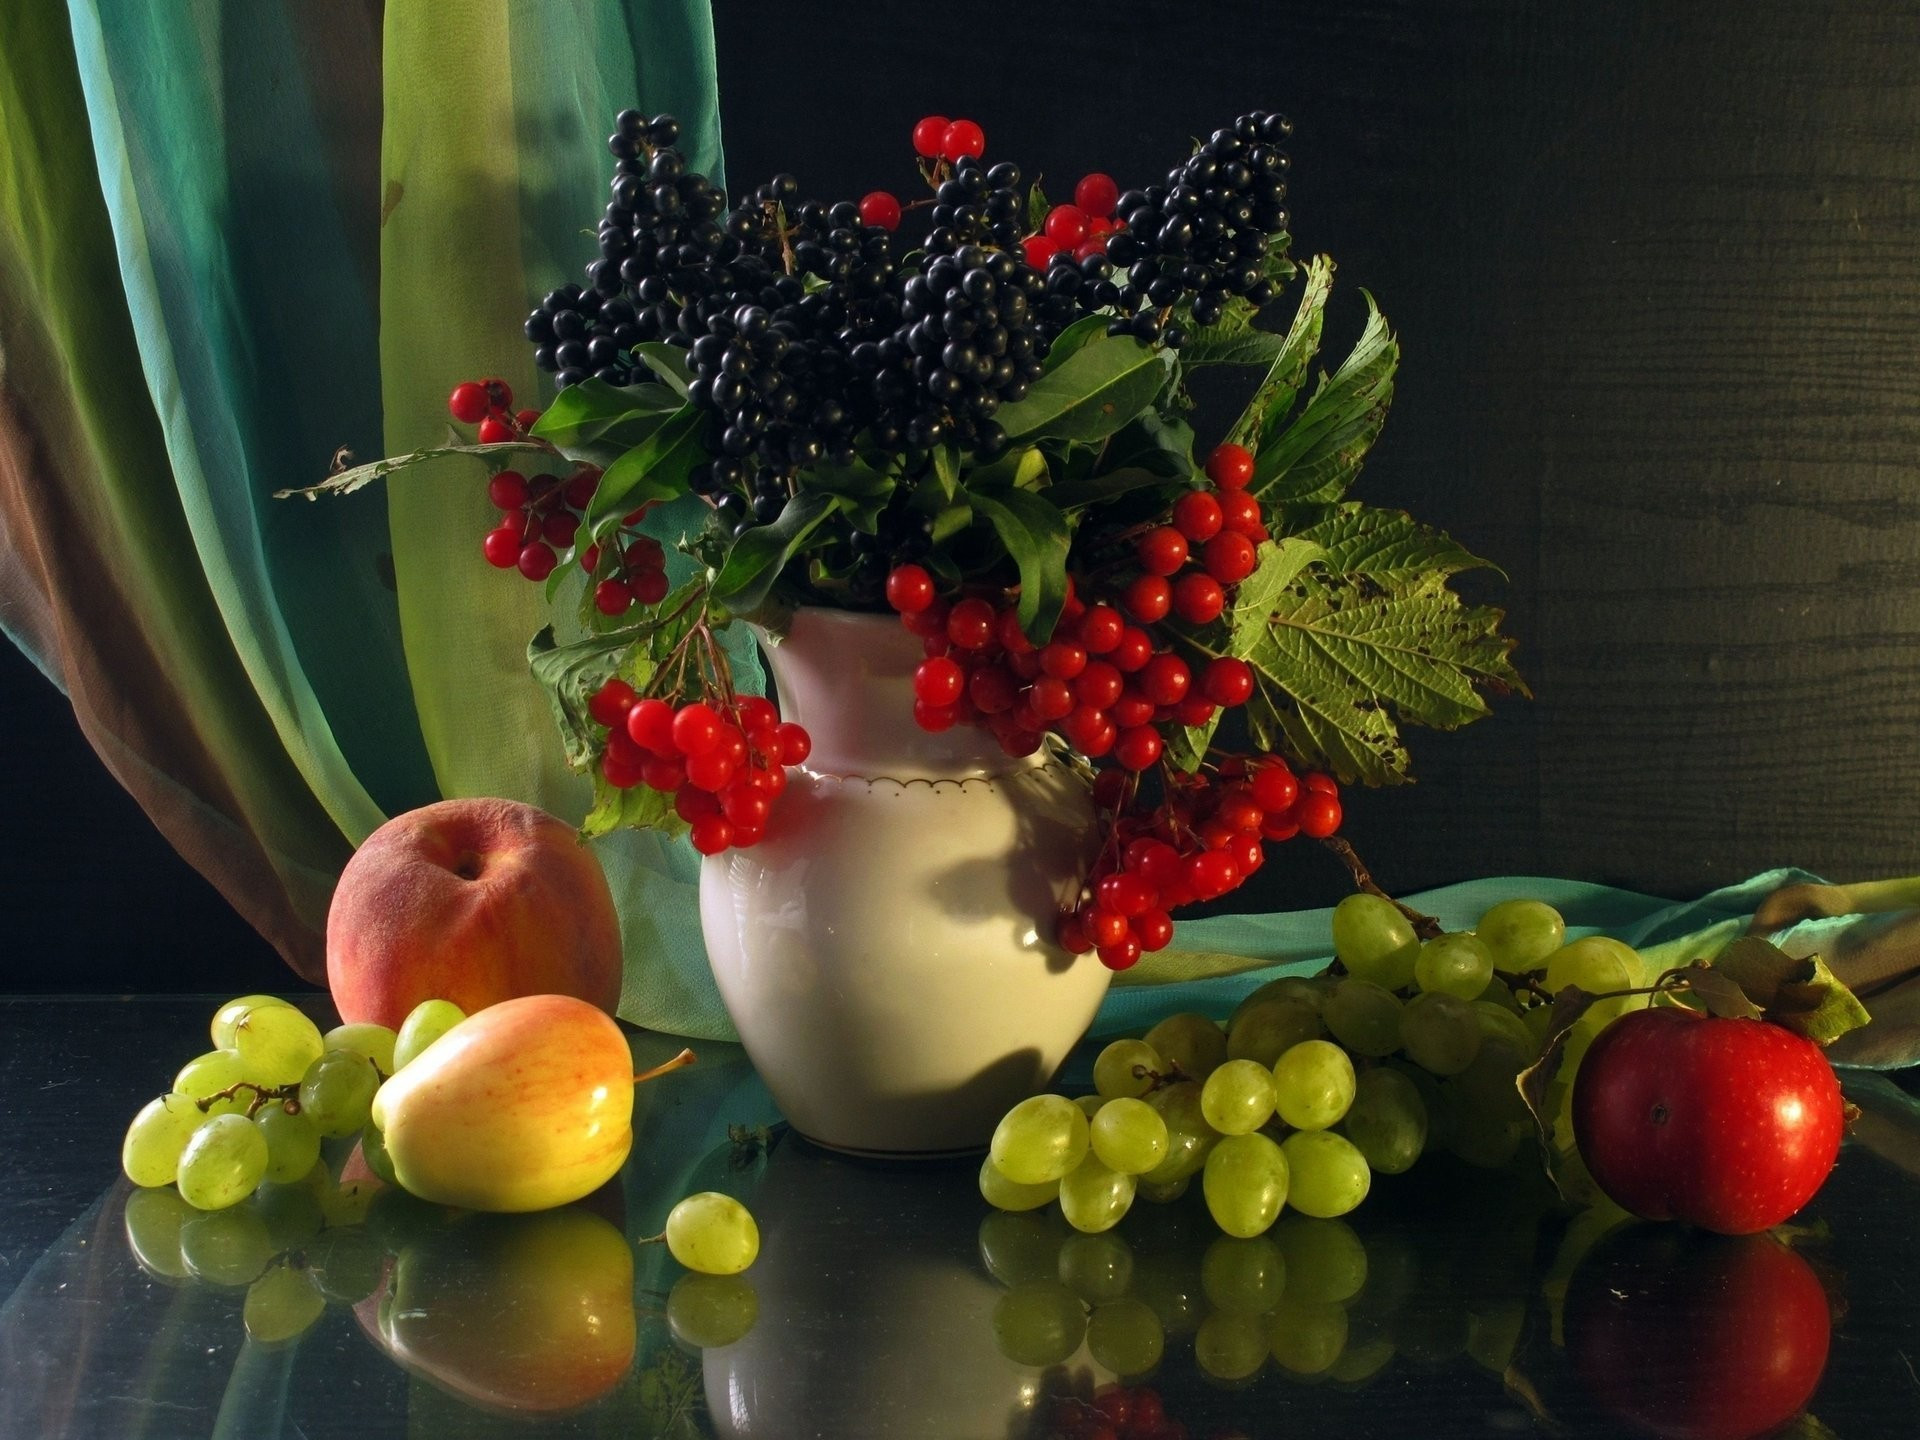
[890, 1301]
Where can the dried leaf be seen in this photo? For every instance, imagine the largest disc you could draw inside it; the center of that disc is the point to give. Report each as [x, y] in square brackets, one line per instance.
[1568, 1006]
[1803, 995]
[1719, 993]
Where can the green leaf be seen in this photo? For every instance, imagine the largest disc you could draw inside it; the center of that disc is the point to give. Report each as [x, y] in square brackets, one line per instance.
[1036, 536]
[592, 409]
[1075, 338]
[669, 362]
[759, 555]
[1389, 546]
[862, 490]
[1232, 340]
[1288, 369]
[946, 469]
[1037, 208]
[571, 674]
[1153, 442]
[1341, 662]
[639, 808]
[1095, 391]
[350, 480]
[655, 469]
[1072, 494]
[1316, 454]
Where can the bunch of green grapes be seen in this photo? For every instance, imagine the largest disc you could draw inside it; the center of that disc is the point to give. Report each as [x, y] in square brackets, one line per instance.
[1316, 1083]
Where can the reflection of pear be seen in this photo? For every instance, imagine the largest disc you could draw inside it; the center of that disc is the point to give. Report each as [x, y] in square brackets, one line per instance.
[515, 1312]
[526, 1105]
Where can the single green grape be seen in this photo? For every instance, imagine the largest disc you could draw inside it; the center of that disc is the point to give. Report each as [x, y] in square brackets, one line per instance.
[347, 1265]
[336, 1094]
[209, 1074]
[425, 1023]
[1192, 1042]
[1246, 1182]
[1129, 1136]
[1308, 989]
[711, 1312]
[1230, 1346]
[276, 1044]
[1126, 1337]
[1020, 1248]
[1387, 1121]
[1304, 1337]
[1238, 1097]
[713, 1234]
[151, 1152]
[1502, 1028]
[1364, 1017]
[1266, 1031]
[1460, 965]
[1328, 1176]
[1375, 941]
[1189, 1136]
[1313, 1084]
[224, 1160]
[230, 1014]
[1039, 1323]
[1005, 1194]
[1245, 1276]
[154, 1220]
[1040, 1139]
[281, 1306]
[1326, 1260]
[226, 1247]
[371, 1042]
[1165, 1194]
[1097, 1268]
[1522, 933]
[373, 1150]
[1094, 1196]
[1439, 1107]
[293, 1144]
[1439, 1033]
[1126, 1068]
[1599, 965]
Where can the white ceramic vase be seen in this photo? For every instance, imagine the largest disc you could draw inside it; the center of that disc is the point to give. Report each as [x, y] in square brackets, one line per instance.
[887, 953]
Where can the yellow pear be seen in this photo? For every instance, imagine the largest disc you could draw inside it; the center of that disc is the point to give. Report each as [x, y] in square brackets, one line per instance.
[524, 1106]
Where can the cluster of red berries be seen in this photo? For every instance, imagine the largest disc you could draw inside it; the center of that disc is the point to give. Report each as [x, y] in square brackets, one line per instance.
[1220, 529]
[1114, 1413]
[489, 405]
[722, 759]
[1079, 229]
[935, 139]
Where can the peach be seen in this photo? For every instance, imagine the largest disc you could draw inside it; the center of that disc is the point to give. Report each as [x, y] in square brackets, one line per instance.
[474, 901]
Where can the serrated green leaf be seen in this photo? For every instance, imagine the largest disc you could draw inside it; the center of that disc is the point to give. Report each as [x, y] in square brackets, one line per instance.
[759, 555]
[594, 409]
[669, 362]
[1036, 536]
[1341, 662]
[1232, 340]
[1095, 391]
[1288, 370]
[655, 469]
[1314, 455]
[349, 480]
[1072, 494]
[1389, 546]
[1187, 745]
[570, 674]
[641, 807]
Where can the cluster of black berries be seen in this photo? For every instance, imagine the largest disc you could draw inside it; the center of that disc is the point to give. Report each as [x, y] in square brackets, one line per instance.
[1205, 233]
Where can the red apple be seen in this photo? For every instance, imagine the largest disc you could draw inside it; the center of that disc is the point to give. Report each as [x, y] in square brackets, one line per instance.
[1729, 1124]
[474, 901]
[1698, 1337]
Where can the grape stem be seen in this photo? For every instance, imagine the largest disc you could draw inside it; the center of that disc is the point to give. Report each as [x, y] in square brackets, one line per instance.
[1528, 983]
[678, 1062]
[1158, 1080]
[1425, 926]
[263, 1095]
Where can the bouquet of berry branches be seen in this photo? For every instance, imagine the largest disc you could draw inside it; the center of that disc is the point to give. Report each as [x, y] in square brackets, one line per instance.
[971, 409]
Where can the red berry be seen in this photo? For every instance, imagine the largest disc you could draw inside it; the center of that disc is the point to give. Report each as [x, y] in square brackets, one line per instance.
[1096, 194]
[507, 490]
[502, 546]
[1279, 827]
[1110, 789]
[1194, 709]
[1155, 861]
[581, 487]
[495, 432]
[536, 561]
[1099, 685]
[1165, 679]
[745, 806]
[1274, 787]
[1227, 681]
[928, 135]
[650, 588]
[711, 834]
[1315, 780]
[611, 702]
[499, 396]
[696, 729]
[1136, 646]
[526, 419]
[1149, 598]
[1317, 814]
[1198, 598]
[758, 718]
[1196, 515]
[710, 769]
[692, 802]
[1247, 852]
[795, 744]
[590, 559]
[1050, 698]
[650, 723]
[1138, 748]
[1106, 927]
[1040, 251]
[1229, 557]
[1019, 742]
[1240, 513]
[938, 682]
[1162, 551]
[1154, 930]
[1230, 467]
[1239, 812]
[1101, 628]
[663, 773]
[1123, 956]
[909, 589]
[880, 209]
[1131, 709]
[1071, 935]
[1091, 246]
[1063, 659]
[623, 771]
[1125, 894]
[1091, 732]
[992, 689]
[934, 718]
[963, 138]
[1013, 640]
[970, 625]
[468, 402]
[1066, 225]
[1212, 873]
[560, 527]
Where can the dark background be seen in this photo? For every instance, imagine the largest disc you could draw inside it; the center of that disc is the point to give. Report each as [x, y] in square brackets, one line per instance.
[1656, 274]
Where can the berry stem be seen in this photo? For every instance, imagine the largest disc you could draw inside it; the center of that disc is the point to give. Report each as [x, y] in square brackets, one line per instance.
[1425, 926]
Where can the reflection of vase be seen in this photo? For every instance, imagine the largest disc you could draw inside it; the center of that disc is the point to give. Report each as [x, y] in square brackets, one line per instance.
[886, 952]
